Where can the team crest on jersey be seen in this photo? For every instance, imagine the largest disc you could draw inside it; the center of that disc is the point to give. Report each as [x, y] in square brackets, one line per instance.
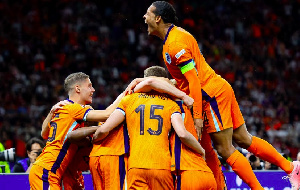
[168, 58]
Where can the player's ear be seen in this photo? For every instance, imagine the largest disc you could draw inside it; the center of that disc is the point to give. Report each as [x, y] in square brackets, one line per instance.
[77, 89]
[157, 18]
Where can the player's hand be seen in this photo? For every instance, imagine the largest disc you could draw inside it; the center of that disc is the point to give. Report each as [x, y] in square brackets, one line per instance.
[131, 86]
[199, 127]
[59, 105]
[188, 101]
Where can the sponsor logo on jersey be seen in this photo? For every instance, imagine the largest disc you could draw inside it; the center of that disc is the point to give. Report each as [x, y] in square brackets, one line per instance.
[180, 53]
[168, 58]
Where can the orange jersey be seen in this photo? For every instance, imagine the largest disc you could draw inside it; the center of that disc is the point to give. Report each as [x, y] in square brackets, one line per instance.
[179, 50]
[148, 118]
[115, 144]
[181, 54]
[58, 151]
[184, 158]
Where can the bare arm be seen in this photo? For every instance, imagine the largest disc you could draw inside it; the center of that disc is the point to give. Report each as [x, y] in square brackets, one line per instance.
[131, 86]
[114, 120]
[186, 137]
[81, 133]
[45, 128]
[163, 85]
[102, 115]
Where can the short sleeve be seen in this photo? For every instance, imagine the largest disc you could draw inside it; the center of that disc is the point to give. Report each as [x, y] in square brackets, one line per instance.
[180, 53]
[79, 112]
[182, 57]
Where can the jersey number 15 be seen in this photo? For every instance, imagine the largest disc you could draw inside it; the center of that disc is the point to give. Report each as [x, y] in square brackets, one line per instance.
[141, 109]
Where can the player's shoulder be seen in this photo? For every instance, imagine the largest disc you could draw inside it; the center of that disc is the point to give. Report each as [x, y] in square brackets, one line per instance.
[76, 106]
[130, 96]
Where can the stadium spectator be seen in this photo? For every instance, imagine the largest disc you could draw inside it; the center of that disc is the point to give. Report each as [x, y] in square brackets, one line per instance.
[34, 148]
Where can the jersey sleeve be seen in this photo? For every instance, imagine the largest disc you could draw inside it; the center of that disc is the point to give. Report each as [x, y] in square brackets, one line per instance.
[182, 57]
[79, 112]
[123, 103]
[175, 109]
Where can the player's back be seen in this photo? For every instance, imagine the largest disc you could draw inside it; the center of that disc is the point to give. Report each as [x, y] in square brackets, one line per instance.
[116, 143]
[181, 48]
[184, 158]
[58, 151]
[148, 118]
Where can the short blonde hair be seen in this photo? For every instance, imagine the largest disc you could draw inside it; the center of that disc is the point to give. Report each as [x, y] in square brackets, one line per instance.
[74, 78]
[156, 71]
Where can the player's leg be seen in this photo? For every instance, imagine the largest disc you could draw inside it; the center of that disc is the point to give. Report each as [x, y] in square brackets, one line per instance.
[42, 179]
[95, 172]
[265, 151]
[189, 180]
[238, 162]
[213, 161]
[38, 179]
[136, 179]
[112, 171]
[219, 113]
[160, 179]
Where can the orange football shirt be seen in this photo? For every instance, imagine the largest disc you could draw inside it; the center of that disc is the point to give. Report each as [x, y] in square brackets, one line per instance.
[58, 151]
[184, 158]
[181, 54]
[115, 144]
[148, 118]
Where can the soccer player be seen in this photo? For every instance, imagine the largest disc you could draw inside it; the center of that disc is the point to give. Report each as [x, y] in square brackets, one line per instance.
[149, 117]
[187, 165]
[49, 167]
[194, 76]
[107, 158]
[146, 84]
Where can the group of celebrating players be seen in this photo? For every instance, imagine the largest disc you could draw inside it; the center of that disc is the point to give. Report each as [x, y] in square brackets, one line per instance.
[155, 129]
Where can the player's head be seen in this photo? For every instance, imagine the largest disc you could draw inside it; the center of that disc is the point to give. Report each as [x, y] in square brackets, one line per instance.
[156, 71]
[159, 12]
[79, 84]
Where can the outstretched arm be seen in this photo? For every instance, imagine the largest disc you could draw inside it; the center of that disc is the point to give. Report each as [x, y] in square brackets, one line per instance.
[114, 120]
[186, 137]
[81, 136]
[102, 115]
[163, 85]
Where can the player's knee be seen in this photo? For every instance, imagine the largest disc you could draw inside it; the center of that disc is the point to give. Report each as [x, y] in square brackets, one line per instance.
[225, 151]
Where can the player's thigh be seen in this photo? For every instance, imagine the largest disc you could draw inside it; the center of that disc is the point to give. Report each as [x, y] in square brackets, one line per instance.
[160, 179]
[222, 111]
[112, 170]
[136, 179]
[95, 172]
[42, 179]
[196, 180]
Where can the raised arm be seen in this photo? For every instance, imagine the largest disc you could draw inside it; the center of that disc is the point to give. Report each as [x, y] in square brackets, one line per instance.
[114, 120]
[186, 137]
[102, 115]
[45, 128]
[163, 85]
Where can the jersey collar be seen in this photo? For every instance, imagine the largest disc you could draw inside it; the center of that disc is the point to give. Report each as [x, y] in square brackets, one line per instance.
[170, 28]
[70, 101]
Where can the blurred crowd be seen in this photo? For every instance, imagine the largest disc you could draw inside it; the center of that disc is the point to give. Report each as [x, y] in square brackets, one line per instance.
[253, 44]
